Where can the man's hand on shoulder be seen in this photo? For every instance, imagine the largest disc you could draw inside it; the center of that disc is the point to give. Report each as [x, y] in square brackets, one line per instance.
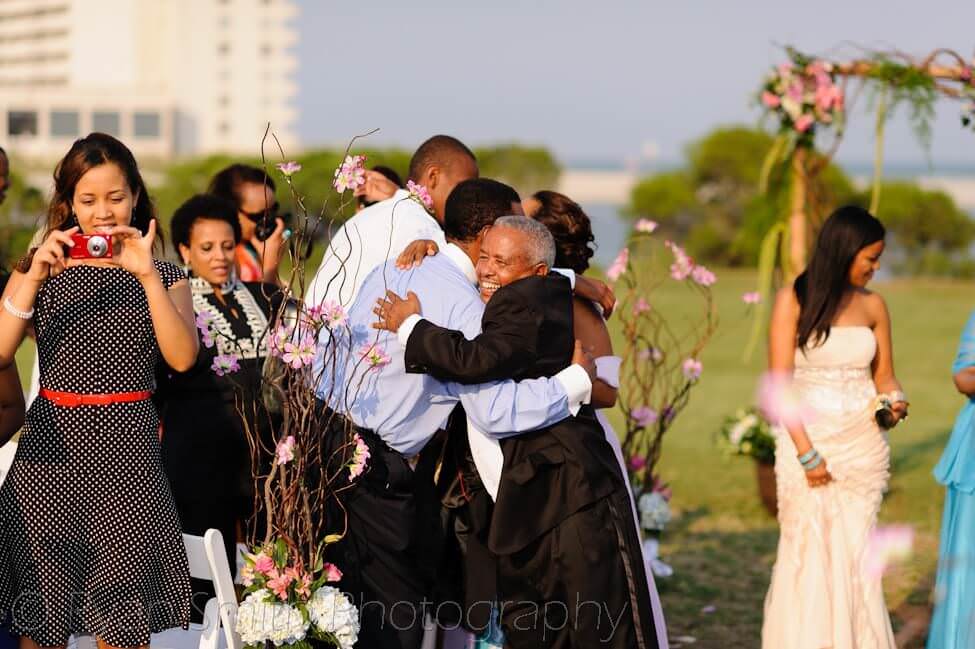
[392, 310]
[415, 253]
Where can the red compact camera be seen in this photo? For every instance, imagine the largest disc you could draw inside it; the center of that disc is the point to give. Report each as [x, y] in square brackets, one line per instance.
[90, 246]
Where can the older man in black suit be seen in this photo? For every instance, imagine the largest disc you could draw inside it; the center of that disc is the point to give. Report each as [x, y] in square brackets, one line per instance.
[569, 569]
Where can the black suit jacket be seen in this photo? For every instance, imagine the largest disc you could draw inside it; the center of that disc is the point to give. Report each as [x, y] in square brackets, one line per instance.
[550, 473]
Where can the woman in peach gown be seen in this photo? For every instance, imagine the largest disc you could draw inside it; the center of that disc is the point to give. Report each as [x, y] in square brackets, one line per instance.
[831, 337]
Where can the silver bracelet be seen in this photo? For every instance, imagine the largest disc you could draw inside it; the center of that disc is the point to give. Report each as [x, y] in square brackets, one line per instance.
[9, 307]
[896, 396]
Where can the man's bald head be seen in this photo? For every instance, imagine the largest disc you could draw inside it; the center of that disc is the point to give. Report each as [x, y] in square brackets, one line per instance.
[440, 164]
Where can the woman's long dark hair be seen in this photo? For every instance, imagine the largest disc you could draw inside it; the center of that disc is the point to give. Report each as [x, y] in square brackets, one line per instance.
[821, 287]
[85, 154]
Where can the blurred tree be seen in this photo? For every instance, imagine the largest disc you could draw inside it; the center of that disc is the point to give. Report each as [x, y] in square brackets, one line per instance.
[22, 212]
[929, 233]
[527, 169]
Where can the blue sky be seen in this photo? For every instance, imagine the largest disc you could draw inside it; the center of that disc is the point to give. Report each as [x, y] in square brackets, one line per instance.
[597, 80]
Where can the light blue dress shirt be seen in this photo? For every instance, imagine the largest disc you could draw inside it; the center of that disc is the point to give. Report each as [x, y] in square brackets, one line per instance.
[405, 410]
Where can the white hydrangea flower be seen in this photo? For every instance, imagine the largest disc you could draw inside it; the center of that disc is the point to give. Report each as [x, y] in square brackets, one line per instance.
[260, 618]
[739, 429]
[654, 511]
[333, 613]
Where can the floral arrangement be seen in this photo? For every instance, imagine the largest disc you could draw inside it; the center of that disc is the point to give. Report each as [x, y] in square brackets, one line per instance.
[660, 365]
[661, 362]
[802, 94]
[301, 474]
[747, 433]
[285, 604]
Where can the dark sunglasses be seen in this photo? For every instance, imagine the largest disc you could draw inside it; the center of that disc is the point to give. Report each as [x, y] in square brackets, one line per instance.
[257, 217]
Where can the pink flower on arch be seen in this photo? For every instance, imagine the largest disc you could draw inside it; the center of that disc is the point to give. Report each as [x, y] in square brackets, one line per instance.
[618, 267]
[804, 123]
[752, 297]
[771, 100]
[641, 306]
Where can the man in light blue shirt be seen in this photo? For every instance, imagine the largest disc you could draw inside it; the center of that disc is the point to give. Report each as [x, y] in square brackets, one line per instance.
[363, 377]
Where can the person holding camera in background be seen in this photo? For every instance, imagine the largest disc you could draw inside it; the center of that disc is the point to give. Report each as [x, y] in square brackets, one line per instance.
[89, 534]
[263, 232]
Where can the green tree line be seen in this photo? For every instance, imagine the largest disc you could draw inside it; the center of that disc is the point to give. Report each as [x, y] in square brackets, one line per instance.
[713, 204]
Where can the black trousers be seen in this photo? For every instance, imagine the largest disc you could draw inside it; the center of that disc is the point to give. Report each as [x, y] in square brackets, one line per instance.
[383, 556]
[582, 584]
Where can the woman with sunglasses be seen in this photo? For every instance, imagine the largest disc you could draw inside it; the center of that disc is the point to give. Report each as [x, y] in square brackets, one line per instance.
[251, 190]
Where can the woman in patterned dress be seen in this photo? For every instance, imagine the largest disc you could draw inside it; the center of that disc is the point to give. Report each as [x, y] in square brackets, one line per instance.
[89, 535]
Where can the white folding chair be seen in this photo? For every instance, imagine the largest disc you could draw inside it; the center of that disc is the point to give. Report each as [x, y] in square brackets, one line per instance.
[207, 560]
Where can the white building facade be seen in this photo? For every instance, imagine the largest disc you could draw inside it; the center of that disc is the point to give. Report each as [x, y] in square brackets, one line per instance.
[168, 77]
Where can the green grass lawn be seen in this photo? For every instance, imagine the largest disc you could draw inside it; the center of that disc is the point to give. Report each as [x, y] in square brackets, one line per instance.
[722, 542]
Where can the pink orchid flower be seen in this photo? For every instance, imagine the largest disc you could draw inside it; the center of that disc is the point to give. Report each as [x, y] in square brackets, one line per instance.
[420, 194]
[224, 364]
[618, 267]
[288, 168]
[692, 369]
[285, 451]
[644, 416]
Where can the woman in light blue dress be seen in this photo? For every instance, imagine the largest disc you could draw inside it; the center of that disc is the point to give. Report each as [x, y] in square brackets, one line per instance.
[953, 624]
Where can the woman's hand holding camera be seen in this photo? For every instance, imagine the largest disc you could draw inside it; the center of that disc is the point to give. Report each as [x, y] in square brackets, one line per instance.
[50, 258]
[133, 250]
[273, 248]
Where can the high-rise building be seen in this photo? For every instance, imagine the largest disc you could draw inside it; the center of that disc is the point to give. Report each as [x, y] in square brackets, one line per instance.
[169, 77]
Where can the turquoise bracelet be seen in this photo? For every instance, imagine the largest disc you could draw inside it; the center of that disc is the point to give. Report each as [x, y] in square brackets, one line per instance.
[816, 461]
[807, 456]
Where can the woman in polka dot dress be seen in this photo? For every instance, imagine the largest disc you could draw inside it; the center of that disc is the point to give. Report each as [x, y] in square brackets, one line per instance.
[89, 535]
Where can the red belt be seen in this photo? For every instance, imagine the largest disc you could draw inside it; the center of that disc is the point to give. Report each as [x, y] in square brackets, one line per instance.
[73, 399]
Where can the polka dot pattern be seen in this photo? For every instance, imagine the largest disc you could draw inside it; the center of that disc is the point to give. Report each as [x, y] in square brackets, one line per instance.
[89, 535]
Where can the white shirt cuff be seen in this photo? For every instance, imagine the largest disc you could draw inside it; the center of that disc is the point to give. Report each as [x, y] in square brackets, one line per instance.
[405, 329]
[569, 273]
[578, 388]
[608, 370]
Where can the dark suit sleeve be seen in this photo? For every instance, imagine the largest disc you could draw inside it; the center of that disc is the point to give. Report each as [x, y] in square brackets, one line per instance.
[507, 345]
